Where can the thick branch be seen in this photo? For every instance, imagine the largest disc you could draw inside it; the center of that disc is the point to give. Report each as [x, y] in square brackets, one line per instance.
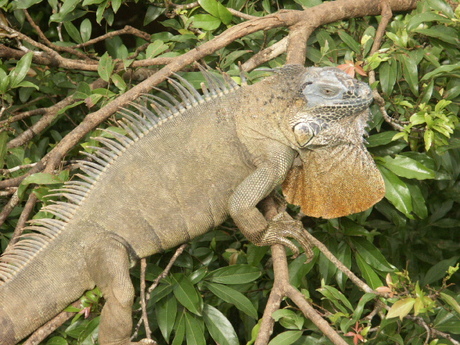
[325, 13]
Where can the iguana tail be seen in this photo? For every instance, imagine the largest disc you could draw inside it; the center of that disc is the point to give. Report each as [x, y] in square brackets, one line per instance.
[41, 290]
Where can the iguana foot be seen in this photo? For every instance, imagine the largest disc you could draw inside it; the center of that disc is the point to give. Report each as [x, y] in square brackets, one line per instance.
[145, 342]
[282, 226]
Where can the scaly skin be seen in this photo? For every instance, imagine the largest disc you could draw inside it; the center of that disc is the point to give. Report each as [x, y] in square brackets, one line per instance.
[185, 175]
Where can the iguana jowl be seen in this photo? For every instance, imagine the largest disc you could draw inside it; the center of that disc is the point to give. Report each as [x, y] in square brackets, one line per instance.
[182, 170]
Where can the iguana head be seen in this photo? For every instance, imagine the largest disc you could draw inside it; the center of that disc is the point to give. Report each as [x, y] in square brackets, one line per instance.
[335, 175]
[330, 95]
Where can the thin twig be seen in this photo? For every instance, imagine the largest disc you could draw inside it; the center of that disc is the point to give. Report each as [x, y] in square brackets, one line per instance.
[148, 332]
[155, 283]
[432, 332]
[168, 267]
[8, 191]
[241, 14]
[282, 287]
[52, 45]
[8, 208]
[127, 30]
[358, 282]
[16, 168]
[387, 14]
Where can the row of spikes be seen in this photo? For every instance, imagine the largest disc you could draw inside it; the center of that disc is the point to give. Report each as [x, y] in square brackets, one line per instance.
[136, 124]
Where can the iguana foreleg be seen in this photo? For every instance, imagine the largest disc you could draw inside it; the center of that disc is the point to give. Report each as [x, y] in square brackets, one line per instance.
[109, 265]
[252, 190]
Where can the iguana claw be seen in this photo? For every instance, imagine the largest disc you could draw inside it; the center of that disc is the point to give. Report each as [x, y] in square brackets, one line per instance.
[282, 226]
[145, 342]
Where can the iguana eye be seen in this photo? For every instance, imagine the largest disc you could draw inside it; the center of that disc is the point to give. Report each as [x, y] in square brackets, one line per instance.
[330, 91]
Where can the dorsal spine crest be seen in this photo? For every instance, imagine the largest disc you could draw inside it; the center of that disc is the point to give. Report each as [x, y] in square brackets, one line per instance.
[136, 125]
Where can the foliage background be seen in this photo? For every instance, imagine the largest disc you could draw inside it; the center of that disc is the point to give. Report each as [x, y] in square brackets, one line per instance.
[407, 245]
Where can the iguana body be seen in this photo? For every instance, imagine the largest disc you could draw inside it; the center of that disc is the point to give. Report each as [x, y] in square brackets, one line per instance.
[178, 176]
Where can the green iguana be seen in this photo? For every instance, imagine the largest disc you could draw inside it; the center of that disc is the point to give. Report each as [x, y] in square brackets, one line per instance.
[181, 170]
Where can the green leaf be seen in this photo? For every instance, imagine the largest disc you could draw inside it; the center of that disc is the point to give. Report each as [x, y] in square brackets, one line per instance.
[219, 327]
[57, 341]
[20, 71]
[440, 71]
[359, 309]
[119, 82]
[38, 178]
[72, 31]
[89, 332]
[326, 268]
[92, 2]
[155, 48]
[289, 319]
[298, 269]
[368, 273]
[68, 6]
[418, 201]
[194, 330]
[410, 70]
[401, 308]
[179, 329]
[4, 81]
[26, 83]
[438, 271]
[380, 139]
[24, 4]
[397, 191]
[388, 71]
[344, 255]
[230, 58]
[3, 140]
[428, 138]
[350, 41]
[217, 10]
[407, 167]
[153, 12]
[235, 274]
[425, 17]
[116, 5]
[105, 67]
[85, 30]
[451, 301]
[442, 6]
[166, 311]
[308, 3]
[336, 297]
[443, 33]
[186, 294]
[371, 254]
[286, 338]
[206, 22]
[234, 297]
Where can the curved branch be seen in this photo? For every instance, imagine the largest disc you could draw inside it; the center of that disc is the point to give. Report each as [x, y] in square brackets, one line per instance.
[322, 14]
[52, 45]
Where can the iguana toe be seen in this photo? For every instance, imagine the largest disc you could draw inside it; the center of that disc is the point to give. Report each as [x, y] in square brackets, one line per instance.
[145, 342]
[283, 226]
